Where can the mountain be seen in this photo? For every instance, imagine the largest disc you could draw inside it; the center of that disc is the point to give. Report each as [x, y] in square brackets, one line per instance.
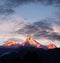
[29, 55]
[31, 42]
[51, 46]
[11, 43]
[33, 54]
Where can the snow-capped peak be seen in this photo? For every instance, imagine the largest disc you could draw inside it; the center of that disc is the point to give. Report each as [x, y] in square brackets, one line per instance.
[32, 42]
[10, 43]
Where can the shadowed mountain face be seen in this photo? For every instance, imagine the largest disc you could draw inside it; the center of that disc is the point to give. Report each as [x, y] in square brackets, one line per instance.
[24, 54]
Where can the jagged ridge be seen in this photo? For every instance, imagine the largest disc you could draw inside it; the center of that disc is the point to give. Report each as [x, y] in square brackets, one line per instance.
[30, 42]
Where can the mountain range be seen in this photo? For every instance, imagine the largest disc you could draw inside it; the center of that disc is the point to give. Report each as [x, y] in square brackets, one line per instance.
[29, 42]
[29, 51]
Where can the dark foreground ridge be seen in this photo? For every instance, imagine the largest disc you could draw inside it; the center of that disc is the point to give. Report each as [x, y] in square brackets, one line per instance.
[29, 55]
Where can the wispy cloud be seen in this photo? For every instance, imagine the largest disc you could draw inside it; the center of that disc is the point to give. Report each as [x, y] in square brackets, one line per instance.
[8, 26]
[11, 24]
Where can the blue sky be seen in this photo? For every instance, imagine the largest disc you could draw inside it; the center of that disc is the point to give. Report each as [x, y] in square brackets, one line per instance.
[35, 12]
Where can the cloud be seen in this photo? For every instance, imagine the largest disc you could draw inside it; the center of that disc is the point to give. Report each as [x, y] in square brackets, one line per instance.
[41, 29]
[15, 25]
[7, 6]
[43, 25]
[10, 25]
[44, 30]
[18, 2]
[6, 11]
[54, 36]
[14, 37]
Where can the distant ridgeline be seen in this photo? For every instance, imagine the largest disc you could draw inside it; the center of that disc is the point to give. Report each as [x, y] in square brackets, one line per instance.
[29, 42]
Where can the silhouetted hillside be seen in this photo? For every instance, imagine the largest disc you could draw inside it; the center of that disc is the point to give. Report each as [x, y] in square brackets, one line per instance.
[29, 55]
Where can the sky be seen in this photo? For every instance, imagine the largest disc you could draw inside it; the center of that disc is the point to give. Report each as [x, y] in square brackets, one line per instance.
[39, 19]
[35, 12]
